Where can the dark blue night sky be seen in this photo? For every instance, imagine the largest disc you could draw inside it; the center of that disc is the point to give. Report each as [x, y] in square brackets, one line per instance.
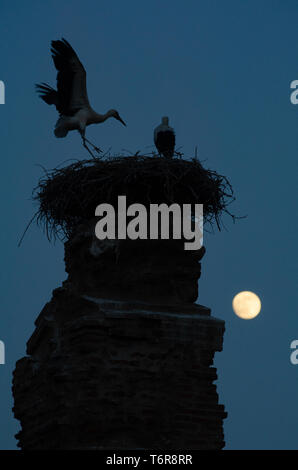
[222, 72]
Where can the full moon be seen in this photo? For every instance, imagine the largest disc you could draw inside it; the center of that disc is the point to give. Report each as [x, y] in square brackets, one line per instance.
[246, 305]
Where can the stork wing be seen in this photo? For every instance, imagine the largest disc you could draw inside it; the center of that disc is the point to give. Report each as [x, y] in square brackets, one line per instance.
[71, 79]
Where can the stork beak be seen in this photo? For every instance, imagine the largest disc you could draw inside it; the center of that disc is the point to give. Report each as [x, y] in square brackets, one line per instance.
[119, 119]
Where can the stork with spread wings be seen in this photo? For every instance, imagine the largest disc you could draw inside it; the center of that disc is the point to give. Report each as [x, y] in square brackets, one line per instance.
[71, 98]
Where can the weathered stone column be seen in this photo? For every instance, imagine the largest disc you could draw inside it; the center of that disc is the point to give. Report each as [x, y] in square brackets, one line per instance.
[121, 357]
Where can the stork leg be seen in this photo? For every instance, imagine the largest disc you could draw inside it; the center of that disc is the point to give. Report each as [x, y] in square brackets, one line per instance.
[87, 148]
[97, 149]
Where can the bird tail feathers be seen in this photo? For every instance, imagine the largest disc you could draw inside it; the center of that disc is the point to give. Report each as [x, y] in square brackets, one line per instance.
[60, 128]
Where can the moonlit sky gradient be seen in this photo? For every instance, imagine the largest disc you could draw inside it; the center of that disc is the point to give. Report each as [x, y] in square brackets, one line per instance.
[221, 71]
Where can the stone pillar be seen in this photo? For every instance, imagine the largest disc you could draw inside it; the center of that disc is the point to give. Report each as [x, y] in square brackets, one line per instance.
[121, 357]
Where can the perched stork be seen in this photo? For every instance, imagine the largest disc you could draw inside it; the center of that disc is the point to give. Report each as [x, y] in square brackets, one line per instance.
[164, 138]
[70, 98]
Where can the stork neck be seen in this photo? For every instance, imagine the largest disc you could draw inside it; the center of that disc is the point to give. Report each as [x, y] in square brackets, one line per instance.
[99, 117]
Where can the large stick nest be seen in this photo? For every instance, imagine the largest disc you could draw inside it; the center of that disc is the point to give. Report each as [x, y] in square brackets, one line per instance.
[68, 196]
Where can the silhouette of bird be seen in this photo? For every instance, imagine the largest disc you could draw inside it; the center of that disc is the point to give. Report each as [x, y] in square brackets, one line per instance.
[70, 98]
[164, 138]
